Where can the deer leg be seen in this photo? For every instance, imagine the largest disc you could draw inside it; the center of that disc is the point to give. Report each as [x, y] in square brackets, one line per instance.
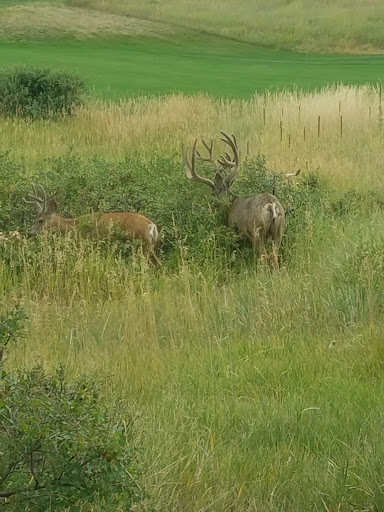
[274, 256]
[276, 242]
[258, 243]
[149, 253]
[153, 258]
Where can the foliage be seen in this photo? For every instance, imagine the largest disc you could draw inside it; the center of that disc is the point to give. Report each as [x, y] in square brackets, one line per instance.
[11, 328]
[187, 214]
[61, 446]
[39, 92]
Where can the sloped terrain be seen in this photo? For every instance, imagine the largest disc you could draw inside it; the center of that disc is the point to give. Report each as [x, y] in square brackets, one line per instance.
[57, 20]
[302, 25]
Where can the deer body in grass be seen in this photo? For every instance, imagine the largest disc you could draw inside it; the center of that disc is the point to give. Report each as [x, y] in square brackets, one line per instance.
[133, 226]
[260, 217]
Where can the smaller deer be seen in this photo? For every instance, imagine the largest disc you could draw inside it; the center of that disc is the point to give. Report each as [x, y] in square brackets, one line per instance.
[133, 225]
[291, 175]
[259, 217]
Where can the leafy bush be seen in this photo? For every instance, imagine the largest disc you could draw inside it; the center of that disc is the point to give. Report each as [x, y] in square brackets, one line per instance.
[188, 215]
[39, 93]
[61, 445]
[11, 328]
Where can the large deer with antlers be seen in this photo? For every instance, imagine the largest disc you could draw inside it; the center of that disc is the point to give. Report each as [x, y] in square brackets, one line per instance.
[260, 217]
[133, 226]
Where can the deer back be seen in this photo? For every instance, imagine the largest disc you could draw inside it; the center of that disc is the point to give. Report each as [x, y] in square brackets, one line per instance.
[132, 225]
[260, 215]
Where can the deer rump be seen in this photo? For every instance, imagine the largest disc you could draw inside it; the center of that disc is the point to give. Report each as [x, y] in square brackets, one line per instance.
[130, 225]
[259, 217]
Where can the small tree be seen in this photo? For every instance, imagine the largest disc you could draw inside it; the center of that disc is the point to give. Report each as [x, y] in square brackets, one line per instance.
[61, 446]
[39, 93]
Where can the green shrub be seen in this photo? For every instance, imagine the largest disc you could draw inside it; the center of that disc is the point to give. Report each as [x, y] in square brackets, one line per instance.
[61, 445]
[187, 214]
[11, 328]
[39, 93]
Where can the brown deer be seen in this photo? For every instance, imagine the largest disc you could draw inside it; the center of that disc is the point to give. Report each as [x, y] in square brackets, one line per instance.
[133, 226]
[291, 175]
[259, 217]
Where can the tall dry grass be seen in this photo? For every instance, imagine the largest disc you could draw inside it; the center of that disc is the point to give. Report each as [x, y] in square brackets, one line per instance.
[336, 131]
[250, 390]
[242, 390]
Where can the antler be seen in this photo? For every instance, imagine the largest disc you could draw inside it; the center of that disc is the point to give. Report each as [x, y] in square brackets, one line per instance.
[209, 148]
[191, 166]
[40, 202]
[226, 161]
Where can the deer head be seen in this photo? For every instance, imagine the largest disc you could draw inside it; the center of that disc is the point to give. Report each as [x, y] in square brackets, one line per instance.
[260, 217]
[226, 168]
[45, 210]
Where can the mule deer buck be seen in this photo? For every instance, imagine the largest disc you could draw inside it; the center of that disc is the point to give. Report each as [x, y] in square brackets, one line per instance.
[133, 226]
[260, 217]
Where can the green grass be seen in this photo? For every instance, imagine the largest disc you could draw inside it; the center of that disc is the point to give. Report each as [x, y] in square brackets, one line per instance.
[250, 390]
[239, 402]
[221, 68]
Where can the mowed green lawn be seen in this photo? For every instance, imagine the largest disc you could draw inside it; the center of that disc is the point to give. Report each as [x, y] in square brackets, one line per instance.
[220, 67]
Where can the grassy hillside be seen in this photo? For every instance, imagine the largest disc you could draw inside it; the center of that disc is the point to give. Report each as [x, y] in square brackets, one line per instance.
[304, 25]
[300, 25]
[222, 68]
[54, 20]
[249, 390]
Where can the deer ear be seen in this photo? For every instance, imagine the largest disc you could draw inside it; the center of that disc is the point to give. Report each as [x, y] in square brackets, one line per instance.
[52, 207]
[218, 178]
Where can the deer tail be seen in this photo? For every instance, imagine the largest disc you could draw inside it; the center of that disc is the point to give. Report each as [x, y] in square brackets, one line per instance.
[153, 233]
[273, 211]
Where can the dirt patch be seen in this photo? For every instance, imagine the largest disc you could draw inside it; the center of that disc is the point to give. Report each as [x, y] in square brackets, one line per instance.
[42, 20]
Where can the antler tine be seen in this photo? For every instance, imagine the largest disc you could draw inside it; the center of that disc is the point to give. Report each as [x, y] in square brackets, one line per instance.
[34, 196]
[209, 148]
[40, 202]
[191, 167]
[226, 161]
[44, 196]
[34, 200]
[232, 142]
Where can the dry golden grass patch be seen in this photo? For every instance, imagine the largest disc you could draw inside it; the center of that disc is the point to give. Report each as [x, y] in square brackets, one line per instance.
[46, 19]
[337, 130]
